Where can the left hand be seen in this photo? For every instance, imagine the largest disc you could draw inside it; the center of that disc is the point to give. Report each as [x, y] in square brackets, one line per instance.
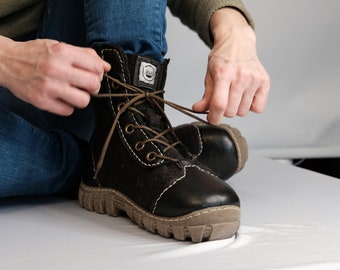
[235, 82]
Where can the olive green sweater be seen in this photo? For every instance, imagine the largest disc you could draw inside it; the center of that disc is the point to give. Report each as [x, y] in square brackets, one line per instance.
[196, 14]
[19, 17]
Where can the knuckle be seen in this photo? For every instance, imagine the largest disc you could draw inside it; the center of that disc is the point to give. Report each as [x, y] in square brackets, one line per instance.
[246, 78]
[218, 106]
[94, 82]
[236, 94]
[62, 51]
[59, 48]
[48, 67]
[84, 100]
[219, 71]
[91, 51]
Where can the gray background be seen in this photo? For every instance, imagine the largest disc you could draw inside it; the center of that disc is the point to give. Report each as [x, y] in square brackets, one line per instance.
[298, 42]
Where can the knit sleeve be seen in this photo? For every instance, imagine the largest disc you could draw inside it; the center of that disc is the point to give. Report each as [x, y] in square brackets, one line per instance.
[18, 18]
[196, 14]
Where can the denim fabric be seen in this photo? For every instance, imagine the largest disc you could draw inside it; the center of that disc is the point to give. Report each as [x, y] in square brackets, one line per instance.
[35, 161]
[38, 154]
[137, 26]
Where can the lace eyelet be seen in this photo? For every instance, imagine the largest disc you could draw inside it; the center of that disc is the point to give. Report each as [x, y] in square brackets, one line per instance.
[129, 129]
[114, 85]
[151, 156]
[139, 146]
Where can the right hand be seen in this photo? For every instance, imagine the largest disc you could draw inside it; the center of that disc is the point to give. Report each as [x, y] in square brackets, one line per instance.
[51, 75]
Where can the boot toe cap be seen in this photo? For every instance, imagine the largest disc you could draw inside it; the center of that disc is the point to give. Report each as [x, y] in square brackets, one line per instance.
[196, 190]
[221, 148]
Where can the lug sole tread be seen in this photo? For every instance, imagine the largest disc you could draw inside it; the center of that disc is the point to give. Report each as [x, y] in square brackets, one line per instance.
[208, 224]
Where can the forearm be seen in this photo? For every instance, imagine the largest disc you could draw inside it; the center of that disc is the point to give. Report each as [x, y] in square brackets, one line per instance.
[5, 45]
[229, 24]
[235, 82]
[196, 14]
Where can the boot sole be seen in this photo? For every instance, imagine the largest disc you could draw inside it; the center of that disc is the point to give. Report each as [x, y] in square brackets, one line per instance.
[239, 141]
[208, 224]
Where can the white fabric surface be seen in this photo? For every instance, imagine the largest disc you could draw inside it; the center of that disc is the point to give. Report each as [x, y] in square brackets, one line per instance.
[290, 220]
[299, 44]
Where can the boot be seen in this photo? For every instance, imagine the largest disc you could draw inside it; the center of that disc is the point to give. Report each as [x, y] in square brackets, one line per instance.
[222, 149]
[136, 165]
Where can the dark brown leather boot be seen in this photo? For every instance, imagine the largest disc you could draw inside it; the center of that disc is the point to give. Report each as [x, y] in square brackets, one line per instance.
[222, 149]
[137, 165]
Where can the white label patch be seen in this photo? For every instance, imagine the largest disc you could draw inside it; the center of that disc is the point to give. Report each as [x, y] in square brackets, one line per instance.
[147, 73]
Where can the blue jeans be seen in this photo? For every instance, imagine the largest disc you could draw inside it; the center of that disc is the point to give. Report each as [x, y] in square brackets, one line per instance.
[35, 161]
[38, 154]
[137, 26]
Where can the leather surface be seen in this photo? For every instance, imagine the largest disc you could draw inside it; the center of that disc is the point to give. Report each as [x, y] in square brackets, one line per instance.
[212, 146]
[127, 170]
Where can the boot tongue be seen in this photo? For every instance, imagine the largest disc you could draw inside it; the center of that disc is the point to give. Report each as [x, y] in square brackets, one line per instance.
[149, 75]
[151, 119]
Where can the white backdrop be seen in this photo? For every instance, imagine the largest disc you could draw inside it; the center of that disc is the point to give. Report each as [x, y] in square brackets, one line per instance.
[298, 42]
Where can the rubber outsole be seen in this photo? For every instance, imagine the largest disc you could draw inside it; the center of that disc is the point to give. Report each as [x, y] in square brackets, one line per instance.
[208, 224]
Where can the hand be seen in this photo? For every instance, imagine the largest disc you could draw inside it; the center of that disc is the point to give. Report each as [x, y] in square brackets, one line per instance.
[235, 82]
[51, 75]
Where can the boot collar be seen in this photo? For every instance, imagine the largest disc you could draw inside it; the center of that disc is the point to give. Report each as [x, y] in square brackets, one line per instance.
[147, 73]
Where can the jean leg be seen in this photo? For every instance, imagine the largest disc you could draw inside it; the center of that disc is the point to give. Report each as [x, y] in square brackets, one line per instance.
[137, 26]
[63, 20]
[34, 161]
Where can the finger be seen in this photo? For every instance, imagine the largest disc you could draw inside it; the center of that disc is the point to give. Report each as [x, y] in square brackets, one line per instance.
[56, 106]
[245, 103]
[79, 78]
[260, 100]
[234, 100]
[68, 94]
[203, 104]
[218, 101]
[60, 107]
[88, 59]
[83, 58]
[75, 97]
[85, 80]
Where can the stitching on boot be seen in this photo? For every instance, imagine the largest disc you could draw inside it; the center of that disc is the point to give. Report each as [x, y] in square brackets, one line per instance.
[178, 180]
[200, 142]
[185, 217]
[135, 121]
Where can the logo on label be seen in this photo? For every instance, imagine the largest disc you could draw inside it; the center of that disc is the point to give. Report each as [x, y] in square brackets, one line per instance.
[147, 73]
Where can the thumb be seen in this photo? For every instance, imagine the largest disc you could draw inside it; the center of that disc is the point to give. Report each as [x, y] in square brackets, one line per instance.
[202, 105]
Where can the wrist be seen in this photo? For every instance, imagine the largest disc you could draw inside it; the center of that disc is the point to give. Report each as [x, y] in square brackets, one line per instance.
[226, 22]
[5, 43]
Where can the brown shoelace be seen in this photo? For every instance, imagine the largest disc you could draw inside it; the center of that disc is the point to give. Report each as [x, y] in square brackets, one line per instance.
[138, 96]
